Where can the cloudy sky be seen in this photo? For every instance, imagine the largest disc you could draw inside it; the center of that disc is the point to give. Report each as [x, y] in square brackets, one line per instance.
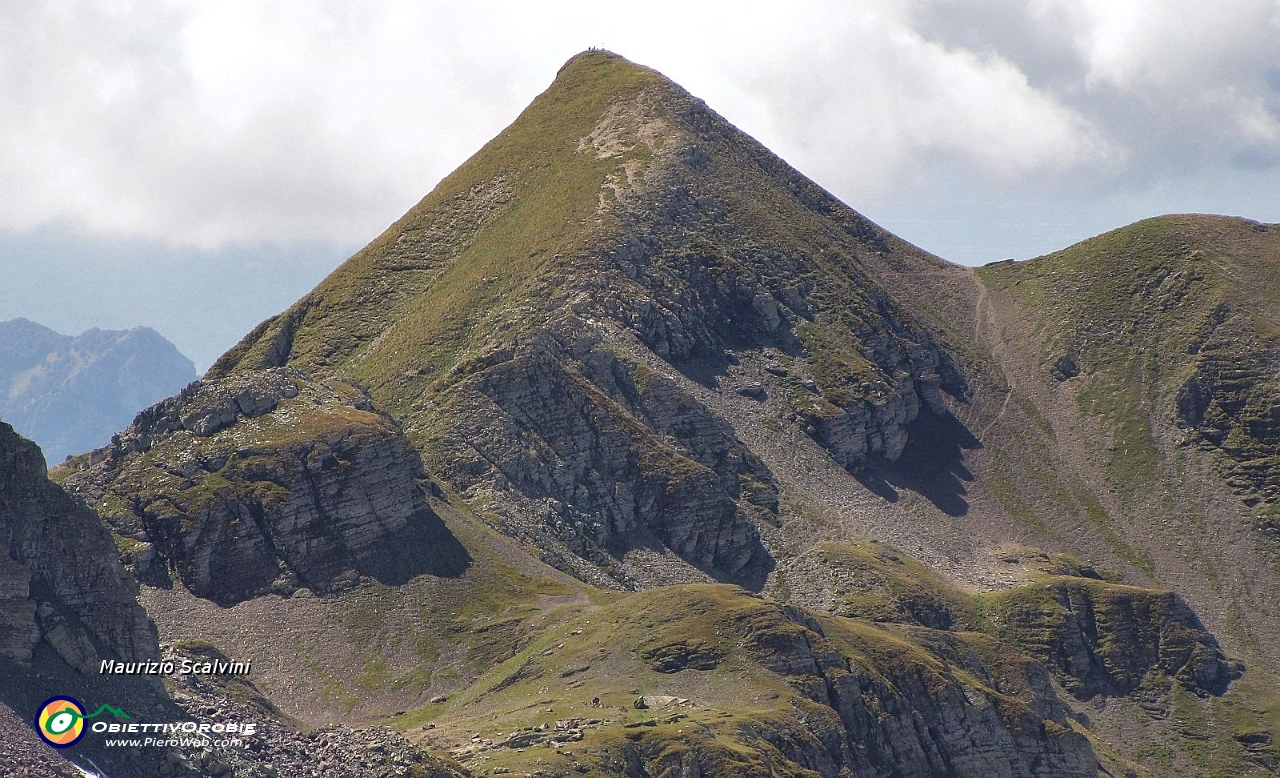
[196, 167]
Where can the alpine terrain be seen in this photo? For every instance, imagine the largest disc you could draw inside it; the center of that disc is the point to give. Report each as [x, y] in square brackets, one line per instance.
[630, 451]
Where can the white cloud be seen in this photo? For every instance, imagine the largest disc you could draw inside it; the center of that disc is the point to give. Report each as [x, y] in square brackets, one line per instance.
[880, 103]
[1198, 78]
[237, 122]
[1167, 43]
[203, 124]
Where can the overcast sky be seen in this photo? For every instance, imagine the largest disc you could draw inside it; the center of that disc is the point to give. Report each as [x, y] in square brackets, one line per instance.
[196, 167]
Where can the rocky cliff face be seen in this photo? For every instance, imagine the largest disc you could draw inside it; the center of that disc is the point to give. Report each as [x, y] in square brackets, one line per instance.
[1098, 637]
[70, 394]
[60, 577]
[1229, 402]
[1107, 639]
[898, 714]
[266, 482]
[603, 457]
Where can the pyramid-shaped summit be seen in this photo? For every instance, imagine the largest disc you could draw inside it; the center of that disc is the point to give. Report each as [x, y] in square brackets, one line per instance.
[556, 324]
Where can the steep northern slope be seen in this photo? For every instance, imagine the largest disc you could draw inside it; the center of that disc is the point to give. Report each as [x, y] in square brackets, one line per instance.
[70, 394]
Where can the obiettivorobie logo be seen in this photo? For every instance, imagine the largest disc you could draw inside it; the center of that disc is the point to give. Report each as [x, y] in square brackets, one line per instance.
[60, 721]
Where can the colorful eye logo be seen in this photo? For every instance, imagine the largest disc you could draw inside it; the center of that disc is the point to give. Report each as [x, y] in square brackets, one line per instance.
[60, 721]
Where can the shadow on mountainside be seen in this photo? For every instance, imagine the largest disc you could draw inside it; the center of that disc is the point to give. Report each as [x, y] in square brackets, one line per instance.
[424, 546]
[322, 562]
[748, 568]
[706, 371]
[931, 464]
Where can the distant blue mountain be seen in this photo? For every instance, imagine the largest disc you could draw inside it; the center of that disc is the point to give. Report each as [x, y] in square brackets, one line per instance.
[71, 394]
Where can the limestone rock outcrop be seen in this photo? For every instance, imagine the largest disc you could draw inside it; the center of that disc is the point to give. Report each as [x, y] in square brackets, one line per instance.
[918, 717]
[267, 482]
[602, 456]
[1107, 639]
[60, 576]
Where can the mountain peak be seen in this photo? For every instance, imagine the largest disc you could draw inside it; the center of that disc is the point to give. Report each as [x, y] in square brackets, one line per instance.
[593, 56]
[617, 239]
[609, 146]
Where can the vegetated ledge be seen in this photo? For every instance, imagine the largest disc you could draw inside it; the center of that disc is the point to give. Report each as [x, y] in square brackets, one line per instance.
[731, 684]
[1098, 637]
[734, 684]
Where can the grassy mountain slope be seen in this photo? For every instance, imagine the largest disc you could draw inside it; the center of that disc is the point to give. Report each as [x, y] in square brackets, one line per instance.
[738, 685]
[1174, 318]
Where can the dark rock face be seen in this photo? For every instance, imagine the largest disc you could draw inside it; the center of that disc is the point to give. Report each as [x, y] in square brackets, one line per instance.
[1107, 639]
[1230, 401]
[911, 720]
[267, 482]
[1064, 368]
[706, 272]
[60, 577]
[608, 462]
[870, 701]
[69, 394]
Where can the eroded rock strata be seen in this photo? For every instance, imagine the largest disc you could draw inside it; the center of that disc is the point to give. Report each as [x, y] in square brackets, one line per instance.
[60, 574]
[267, 482]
